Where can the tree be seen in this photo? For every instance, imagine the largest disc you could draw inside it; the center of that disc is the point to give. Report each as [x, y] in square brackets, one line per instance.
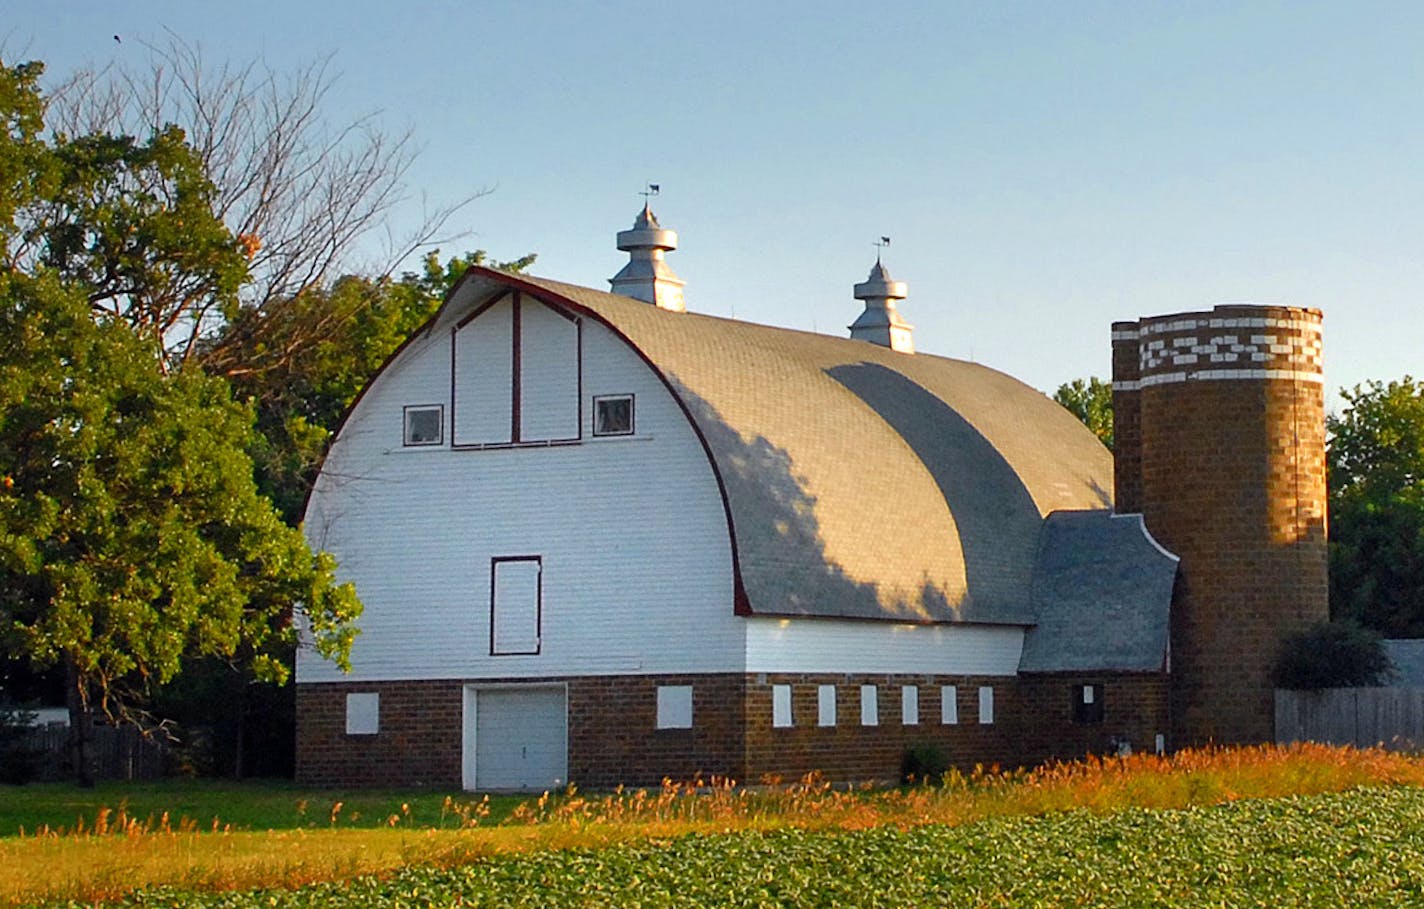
[1091, 403]
[132, 536]
[1375, 462]
[1333, 655]
[297, 191]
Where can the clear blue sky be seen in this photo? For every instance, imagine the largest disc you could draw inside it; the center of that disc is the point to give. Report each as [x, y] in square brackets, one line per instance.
[1042, 168]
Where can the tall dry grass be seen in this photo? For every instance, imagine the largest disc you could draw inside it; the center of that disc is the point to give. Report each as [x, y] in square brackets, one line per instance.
[118, 853]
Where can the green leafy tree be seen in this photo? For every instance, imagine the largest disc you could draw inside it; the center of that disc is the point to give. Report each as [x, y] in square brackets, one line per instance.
[1091, 403]
[1333, 655]
[133, 538]
[1375, 460]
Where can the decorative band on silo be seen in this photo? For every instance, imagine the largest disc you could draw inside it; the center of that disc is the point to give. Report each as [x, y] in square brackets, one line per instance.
[1231, 342]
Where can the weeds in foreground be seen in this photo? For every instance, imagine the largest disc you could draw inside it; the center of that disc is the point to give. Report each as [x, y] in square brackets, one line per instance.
[117, 852]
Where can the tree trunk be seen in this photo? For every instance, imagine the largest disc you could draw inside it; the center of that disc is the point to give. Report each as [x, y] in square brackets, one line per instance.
[80, 755]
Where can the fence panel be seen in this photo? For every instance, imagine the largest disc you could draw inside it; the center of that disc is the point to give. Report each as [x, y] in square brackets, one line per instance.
[1364, 717]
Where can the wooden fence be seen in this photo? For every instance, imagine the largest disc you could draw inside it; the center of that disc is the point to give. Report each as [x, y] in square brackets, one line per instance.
[1363, 717]
[119, 753]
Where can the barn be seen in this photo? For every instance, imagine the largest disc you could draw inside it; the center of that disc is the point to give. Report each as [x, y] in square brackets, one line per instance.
[603, 539]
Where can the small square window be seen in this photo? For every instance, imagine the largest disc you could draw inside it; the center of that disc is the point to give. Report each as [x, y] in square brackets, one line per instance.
[781, 705]
[613, 415]
[869, 705]
[674, 706]
[363, 713]
[949, 705]
[425, 425]
[826, 705]
[1087, 703]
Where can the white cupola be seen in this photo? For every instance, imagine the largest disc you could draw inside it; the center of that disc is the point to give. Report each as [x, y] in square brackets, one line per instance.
[647, 276]
[881, 322]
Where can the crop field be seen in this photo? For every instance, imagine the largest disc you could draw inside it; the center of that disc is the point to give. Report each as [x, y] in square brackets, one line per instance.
[1302, 826]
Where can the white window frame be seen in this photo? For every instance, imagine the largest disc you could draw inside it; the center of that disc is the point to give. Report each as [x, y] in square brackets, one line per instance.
[869, 705]
[363, 713]
[986, 705]
[674, 707]
[826, 705]
[410, 411]
[909, 705]
[949, 705]
[781, 717]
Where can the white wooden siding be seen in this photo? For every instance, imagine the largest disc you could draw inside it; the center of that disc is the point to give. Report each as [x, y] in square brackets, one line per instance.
[549, 374]
[631, 530]
[484, 377]
[829, 645]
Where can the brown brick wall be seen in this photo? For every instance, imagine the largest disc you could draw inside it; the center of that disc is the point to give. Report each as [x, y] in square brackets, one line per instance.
[613, 739]
[1134, 711]
[1127, 420]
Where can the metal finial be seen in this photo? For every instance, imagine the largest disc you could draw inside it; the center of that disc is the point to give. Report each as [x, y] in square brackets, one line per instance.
[879, 245]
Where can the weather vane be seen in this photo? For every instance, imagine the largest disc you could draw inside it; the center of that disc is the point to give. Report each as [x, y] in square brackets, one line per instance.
[652, 190]
[880, 245]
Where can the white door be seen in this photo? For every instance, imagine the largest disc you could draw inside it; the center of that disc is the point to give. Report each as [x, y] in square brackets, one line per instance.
[515, 738]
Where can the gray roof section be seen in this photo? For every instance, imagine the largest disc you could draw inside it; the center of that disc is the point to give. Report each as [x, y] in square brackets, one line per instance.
[860, 482]
[1103, 588]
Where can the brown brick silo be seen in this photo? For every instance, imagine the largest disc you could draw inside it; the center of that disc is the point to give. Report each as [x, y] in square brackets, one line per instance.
[1220, 439]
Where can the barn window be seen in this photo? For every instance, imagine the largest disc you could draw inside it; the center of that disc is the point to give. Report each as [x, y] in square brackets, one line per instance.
[425, 425]
[613, 415]
[869, 705]
[910, 706]
[363, 713]
[986, 705]
[949, 705]
[781, 705]
[516, 608]
[674, 706]
[826, 705]
[1087, 703]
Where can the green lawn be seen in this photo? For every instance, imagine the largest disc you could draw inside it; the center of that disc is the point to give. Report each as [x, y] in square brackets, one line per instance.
[253, 805]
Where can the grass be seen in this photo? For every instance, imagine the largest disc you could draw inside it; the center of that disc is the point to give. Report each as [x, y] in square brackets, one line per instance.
[254, 805]
[118, 852]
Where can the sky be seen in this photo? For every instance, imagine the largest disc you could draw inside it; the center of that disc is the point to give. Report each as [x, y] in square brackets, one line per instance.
[1042, 168]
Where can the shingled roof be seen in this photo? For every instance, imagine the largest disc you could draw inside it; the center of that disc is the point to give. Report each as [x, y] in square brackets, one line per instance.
[859, 482]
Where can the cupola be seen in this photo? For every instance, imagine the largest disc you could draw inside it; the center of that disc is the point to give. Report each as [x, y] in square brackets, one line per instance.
[647, 276]
[881, 322]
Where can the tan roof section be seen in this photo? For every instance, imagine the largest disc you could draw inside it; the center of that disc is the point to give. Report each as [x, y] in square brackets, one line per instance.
[860, 482]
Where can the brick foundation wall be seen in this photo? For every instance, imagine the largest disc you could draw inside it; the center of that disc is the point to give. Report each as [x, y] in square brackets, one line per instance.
[1135, 712]
[613, 739]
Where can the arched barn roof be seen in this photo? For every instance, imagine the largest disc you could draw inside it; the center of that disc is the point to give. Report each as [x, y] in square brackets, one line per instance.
[859, 482]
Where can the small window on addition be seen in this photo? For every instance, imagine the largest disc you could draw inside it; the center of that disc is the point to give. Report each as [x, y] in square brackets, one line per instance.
[363, 713]
[780, 706]
[826, 705]
[986, 705]
[1087, 703]
[613, 415]
[425, 425]
[674, 706]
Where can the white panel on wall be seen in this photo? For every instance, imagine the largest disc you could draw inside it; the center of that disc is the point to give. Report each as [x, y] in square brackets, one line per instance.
[909, 705]
[548, 373]
[986, 705]
[827, 645]
[674, 706]
[483, 411]
[515, 607]
[869, 705]
[363, 713]
[826, 705]
[949, 705]
[781, 705]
